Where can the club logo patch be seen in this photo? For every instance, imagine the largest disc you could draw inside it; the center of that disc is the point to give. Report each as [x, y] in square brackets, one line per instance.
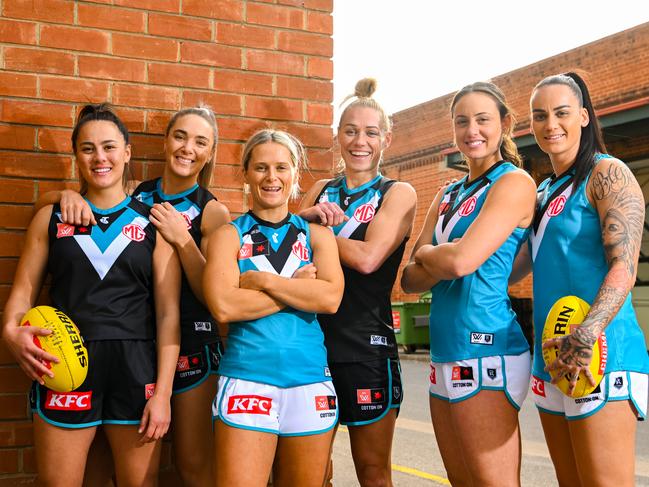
[491, 373]
[482, 338]
[619, 383]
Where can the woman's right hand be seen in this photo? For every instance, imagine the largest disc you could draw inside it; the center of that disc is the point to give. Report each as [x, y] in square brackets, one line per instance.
[325, 213]
[75, 210]
[30, 357]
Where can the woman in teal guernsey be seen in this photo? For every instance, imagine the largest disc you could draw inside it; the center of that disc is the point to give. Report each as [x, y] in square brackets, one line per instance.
[480, 361]
[106, 278]
[268, 274]
[186, 214]
[585, 242]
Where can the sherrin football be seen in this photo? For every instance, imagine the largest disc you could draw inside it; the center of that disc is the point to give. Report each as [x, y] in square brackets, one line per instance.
[65, 342]
[568, 312]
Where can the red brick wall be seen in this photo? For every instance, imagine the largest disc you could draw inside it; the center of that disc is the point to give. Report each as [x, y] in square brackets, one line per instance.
[255, 62]
[616, 69]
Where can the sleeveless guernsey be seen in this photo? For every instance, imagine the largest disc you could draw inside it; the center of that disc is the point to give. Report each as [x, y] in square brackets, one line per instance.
[361, 329]
[196, 323]
[285, 349]
[471, 317]
[569, 259]
[102, 275]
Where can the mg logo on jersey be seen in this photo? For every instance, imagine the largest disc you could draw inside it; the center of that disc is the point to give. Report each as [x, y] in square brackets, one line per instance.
[249, 405]
[188, 220]
[68, 401]
[300, 251]
[468, 206]
[538, 386]
[364, 213]
[557, 205]
[64, 230]
[134, 232]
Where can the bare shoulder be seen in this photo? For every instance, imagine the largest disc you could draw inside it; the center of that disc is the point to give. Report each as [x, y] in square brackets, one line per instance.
[320, 233]
[217, 210]
[402, 192]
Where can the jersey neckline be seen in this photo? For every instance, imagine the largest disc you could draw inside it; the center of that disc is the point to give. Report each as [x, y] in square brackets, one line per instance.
[167, 197]
[362, 186]
[265, 223]
[107, 211]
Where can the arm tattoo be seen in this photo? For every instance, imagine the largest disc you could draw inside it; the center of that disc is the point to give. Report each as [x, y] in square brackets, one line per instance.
[615, 180]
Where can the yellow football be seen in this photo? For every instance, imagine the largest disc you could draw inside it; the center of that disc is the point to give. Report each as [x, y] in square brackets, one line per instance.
[65, 342]
[566, 313]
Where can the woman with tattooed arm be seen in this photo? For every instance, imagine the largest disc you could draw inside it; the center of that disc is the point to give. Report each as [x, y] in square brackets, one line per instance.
[585, 242]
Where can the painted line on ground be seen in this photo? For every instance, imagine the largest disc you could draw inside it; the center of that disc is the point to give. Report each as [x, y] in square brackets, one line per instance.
[422, 475]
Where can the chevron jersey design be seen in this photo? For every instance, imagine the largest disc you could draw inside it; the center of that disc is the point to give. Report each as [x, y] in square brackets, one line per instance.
[471, 317]
[285, 349]
[102, 275]
[361, 329]
[197, 325]
[569, 259]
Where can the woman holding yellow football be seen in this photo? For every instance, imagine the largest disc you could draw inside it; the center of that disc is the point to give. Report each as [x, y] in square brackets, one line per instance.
[106, 278]
[585, 242]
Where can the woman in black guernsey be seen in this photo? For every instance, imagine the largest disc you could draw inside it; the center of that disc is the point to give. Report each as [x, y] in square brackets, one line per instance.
[106, 278]
[371, 217]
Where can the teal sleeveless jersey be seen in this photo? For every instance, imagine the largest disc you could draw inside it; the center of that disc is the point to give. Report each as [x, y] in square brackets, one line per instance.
[285, 349]
[471, 317]
[569, 260]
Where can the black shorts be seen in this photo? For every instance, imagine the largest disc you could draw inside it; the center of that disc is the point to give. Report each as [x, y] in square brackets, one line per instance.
[121, 378]
[366, 390]
[195, 365]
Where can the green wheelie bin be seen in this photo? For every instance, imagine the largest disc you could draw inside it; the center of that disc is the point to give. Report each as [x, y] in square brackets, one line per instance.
[410, 321]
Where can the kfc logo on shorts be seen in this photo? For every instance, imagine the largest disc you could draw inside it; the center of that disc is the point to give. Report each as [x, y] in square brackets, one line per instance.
[188, 220]
[462, 373]
[149, 389]
[134, 232]
[433, 375]
[325, 403]
[468, 206]
[68, 401]
[64, 230]
[249, 405]
[557, 205]
[364, 213]
[538, 386]
[300, 251]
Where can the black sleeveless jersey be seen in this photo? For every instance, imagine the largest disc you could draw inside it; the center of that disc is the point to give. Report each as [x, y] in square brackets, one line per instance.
[102, 275]
[361, 329]
[196, 323]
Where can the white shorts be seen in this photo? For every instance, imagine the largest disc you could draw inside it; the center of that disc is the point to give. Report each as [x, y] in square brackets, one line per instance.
[456, 381]
[285, 411]
[615, 386]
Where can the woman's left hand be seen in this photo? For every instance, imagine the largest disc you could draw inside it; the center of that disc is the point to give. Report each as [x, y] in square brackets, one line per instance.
[155, 418]
[170, 223]
[575, 355]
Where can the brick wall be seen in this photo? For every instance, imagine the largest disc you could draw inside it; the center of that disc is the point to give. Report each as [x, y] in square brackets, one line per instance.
[616, 69]
[257, 63]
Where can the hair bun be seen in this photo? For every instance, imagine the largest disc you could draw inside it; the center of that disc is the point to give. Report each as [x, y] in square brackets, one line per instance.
[365, 88]
[93, 108]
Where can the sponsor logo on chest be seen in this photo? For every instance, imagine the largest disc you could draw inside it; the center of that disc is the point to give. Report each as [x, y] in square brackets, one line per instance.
[556, 206]
[364, 213]
[134, 232]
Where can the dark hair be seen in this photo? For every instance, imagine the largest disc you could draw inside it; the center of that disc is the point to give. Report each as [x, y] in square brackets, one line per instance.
[591, 141]
[206, 113]
[508, 148]
[93, 113]
[97, 112]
